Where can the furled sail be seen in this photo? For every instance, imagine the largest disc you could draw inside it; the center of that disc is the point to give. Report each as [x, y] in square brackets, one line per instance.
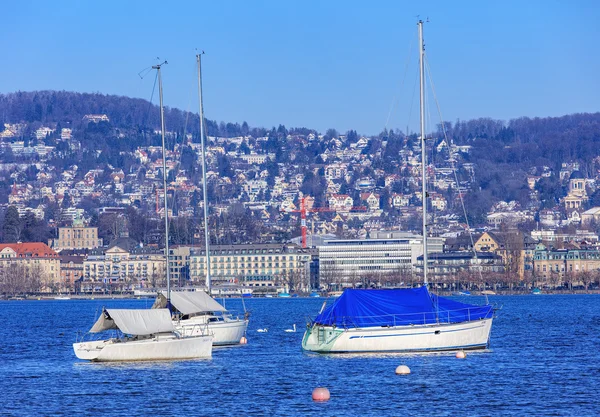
[135, 322]
[397, 307]
[188, 302]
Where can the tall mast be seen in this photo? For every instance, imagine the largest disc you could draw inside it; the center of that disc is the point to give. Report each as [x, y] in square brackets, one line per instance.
[204, 188]
[164, 158]
[423, 148]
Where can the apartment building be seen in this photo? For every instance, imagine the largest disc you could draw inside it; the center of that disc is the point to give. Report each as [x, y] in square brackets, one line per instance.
[32, 255]
[260, 265]
[393, 253]
[558, 263]
[125, 264]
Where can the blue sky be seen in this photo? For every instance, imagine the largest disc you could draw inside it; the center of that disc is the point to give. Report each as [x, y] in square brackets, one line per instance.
[337, 64]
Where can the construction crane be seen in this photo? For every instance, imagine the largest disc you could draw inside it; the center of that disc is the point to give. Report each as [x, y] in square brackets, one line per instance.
[303, 210]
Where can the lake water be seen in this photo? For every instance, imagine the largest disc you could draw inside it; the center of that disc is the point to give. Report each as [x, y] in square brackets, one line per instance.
[544, 360]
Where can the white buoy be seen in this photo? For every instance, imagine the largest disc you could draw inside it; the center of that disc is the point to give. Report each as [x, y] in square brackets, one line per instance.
[321, 394]
[402, 370]
[243, 340]
[461, 354]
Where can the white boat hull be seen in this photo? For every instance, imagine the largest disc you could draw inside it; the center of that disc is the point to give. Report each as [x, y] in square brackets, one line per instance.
[423, 338]
[160, 347]
[224, 332]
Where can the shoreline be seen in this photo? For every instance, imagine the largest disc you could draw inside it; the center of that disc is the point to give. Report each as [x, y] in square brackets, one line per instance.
[65, 297]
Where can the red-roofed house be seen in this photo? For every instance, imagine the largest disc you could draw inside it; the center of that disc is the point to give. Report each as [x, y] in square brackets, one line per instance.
[32, 255]
[372, 200]
[341, 202]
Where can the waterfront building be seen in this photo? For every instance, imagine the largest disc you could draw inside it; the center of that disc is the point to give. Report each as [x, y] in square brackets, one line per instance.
[71, 270]
[558, 264]
[123, 265]
[179, 263]
[36, 257]
[515, 249]
[445, 266]
[393, 254]
[256, 265]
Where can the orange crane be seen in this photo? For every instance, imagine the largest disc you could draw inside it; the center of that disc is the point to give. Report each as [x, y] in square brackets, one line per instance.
[303, 210]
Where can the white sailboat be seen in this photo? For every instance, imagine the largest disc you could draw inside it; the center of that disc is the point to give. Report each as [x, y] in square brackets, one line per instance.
[400, 320]
[199, 313]
[198, 310]
[145, 334]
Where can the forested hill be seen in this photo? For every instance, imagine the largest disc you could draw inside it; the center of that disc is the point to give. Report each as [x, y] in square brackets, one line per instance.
[124, 112]
[503, 152]
[533, 142]
[521, 143]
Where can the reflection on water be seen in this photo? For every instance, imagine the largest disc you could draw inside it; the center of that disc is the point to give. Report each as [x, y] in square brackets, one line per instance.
[392, 355]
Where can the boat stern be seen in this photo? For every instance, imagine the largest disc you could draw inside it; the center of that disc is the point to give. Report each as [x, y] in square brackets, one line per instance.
[319, 338]
[89, 351]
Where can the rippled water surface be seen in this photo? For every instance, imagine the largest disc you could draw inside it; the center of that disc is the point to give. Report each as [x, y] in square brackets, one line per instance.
[544, 360]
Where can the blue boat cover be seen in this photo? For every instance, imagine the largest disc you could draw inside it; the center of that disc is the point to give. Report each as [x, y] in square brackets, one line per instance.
[397, 307]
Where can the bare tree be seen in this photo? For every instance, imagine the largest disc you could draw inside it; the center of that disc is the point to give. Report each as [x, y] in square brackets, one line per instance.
[595, 277]
[586, 277]
[513, 253]
[530, 278]
[569, 278]
[20, 279]
[293, 279]
[153, 279]
[554, 279]
[352, 280]
[327, 277]
[10, 281]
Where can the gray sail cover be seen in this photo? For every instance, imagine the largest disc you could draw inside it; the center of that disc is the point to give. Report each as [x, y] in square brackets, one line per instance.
[135, 322]
[189, 302]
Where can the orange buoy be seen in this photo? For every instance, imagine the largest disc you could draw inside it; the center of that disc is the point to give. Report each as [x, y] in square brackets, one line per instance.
[320, 394]
[461, 354]
[402, 370]
[243, 340]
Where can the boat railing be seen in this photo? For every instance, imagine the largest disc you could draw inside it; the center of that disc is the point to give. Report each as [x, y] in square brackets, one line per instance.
[200, 328]
[232, 315]
[411, 319]
[113, 334]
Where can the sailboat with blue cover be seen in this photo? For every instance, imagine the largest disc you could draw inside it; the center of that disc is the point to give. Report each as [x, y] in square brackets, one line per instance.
[400, 320]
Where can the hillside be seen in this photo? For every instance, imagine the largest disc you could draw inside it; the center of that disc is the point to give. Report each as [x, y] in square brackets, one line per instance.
[495, 161]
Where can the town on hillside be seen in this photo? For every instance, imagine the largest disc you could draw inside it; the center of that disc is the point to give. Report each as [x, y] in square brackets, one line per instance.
[82, 208]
